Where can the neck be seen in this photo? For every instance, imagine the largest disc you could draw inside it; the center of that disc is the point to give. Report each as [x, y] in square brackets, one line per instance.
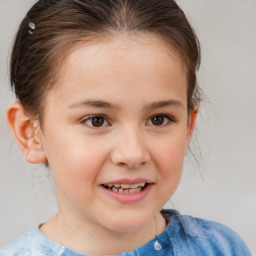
[85, 236]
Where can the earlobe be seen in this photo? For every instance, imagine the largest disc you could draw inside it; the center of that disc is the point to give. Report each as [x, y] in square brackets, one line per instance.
[25, 133]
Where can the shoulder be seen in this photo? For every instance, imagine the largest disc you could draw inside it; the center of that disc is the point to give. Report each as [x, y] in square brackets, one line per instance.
[22, 246]
[205, 237]
[32, 243]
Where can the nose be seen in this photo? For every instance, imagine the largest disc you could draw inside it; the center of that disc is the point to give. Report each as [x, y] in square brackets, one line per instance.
[130, 149]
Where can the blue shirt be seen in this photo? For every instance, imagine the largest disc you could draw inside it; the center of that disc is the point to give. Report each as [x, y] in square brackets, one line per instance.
[184, 236]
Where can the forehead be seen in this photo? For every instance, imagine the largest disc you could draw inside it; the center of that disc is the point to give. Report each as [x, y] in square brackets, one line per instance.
[112, 47]
[127, 64]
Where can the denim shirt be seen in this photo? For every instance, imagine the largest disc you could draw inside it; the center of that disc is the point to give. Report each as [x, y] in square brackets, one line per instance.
[184, 236]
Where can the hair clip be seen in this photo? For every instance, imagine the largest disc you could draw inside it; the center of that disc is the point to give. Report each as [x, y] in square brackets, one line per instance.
[32, 26]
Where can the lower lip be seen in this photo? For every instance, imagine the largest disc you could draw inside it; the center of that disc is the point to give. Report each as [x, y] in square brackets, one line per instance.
[128, 198]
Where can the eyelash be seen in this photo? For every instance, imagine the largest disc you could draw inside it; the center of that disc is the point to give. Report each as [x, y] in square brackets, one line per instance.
[89, 118]
[165, 116]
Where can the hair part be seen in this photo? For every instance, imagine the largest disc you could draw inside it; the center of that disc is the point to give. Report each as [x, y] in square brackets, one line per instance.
[60, 25]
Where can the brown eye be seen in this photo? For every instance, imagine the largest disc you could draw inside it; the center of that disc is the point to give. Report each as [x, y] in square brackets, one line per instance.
[157, 120]
[160, 120]
[95, 121]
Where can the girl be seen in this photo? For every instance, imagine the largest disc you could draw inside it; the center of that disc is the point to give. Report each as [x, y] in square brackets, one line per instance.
[107, 99]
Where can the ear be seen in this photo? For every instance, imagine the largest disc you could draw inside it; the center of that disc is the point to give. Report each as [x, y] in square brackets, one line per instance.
[191, 123]
[25, 131]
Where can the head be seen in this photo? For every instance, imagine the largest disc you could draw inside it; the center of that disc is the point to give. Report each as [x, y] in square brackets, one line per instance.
[132, 63]
[61, 25]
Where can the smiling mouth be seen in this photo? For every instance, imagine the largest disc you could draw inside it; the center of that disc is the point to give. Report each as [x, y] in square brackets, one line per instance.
[126, 188]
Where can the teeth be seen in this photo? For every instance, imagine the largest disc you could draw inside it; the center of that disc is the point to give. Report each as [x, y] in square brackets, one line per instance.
[134, 185]
[115, 189]
[127, 188]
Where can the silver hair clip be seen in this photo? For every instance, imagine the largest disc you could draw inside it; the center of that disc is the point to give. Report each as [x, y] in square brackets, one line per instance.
[32, 26]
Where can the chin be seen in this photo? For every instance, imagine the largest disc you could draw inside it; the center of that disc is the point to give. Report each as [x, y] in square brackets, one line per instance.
[129, 223]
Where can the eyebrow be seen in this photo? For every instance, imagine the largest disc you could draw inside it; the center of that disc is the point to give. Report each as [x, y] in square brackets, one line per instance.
[104, 104]
[164, 103]
[94, 103]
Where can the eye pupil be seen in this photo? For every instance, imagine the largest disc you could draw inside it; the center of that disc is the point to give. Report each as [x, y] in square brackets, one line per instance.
[157, 120]
[97, 121]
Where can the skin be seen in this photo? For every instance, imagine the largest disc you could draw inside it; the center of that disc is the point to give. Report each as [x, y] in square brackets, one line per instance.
[131, 75]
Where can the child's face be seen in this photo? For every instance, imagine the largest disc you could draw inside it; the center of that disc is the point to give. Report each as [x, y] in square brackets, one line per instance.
[137, 90]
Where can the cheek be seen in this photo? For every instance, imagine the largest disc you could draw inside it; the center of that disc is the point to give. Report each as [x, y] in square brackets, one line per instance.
[169, 158]
[170, 167]
[169, 155]
[75, 158]
[75, 169]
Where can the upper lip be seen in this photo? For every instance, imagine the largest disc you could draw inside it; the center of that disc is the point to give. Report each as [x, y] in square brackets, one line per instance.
[128, 181]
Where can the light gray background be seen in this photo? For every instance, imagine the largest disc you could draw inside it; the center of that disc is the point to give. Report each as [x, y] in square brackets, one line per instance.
[224, 188]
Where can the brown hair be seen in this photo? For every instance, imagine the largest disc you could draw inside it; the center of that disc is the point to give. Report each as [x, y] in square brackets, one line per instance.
[60, 24]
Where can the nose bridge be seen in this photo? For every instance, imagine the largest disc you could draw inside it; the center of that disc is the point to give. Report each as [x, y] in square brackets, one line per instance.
[130, 147]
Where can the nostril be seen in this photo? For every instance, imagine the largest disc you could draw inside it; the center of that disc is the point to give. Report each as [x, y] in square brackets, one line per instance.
[131, 165]
[121, 164]
[136, 165]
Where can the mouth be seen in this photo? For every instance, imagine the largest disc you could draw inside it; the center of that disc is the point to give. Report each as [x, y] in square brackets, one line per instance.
[128, 191]
[126, 188]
